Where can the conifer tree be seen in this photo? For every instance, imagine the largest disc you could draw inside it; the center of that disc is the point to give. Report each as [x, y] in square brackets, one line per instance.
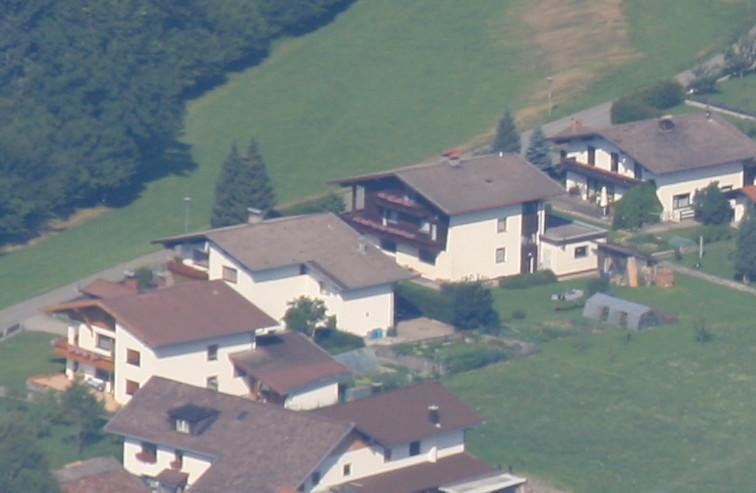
[243, 183]
[507, 139]
[745, 252]
[539, 151]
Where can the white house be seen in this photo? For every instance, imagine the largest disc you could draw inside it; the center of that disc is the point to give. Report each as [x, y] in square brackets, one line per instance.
[457, 218]
[403, 441]
[193, 333]
[680, 154]
[570, 248]
[273, 262]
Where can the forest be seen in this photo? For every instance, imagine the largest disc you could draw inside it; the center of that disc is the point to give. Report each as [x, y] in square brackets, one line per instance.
[92, 92]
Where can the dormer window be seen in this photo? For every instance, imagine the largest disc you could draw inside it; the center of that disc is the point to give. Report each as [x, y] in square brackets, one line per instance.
[192, 419]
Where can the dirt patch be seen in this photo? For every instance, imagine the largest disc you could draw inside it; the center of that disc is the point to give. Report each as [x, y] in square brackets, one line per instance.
[577, 41]
[535, 485]
[58, 225]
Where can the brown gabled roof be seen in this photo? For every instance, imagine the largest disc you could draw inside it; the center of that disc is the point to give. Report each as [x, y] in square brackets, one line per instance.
[100, 288]
[473, 183]
[323, 241]
[423, 477]
[692, 141]
[286, 361]
[252, 446]
[187, 312]
[401, 416]
[98, 475]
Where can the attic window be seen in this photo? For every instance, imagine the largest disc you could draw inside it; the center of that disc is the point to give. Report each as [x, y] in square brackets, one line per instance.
[192, 419]
[182, 426]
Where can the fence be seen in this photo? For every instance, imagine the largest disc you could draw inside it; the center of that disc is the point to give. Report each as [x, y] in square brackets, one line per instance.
[9, 332]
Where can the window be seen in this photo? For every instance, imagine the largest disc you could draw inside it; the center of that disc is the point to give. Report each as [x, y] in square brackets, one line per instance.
[200, 257]
[581, 252]
[212, 383]
[131, 387]
[133, 357]
[182, 426]
[148, 453]
[427, 256]
[414, 448]
[102, 375]
[178, 462]
[388, 245]
[592, 155]
[501, 255]
[347, 470]
[230, 274]
[212, 352]
[501, 225]
[315, 478]
[105, 343]
[681, 201]
[387, 455]
[637, 171]
[615, 162]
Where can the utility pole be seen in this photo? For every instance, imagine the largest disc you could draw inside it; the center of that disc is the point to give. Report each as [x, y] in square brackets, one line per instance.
[187, 208]
[550, 79]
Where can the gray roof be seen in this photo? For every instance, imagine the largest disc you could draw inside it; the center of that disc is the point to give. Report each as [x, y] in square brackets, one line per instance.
[693, 141]
[254, 446]
[473, 183]
[572, 231]
[321, 240]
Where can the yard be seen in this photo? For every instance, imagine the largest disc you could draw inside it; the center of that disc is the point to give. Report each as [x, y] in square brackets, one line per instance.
[737, 93]
[387, 83]
[658, 412]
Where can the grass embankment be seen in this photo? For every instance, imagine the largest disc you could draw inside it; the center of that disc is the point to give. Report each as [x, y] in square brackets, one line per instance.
[737, 93]
[658, 413]
[387, 83]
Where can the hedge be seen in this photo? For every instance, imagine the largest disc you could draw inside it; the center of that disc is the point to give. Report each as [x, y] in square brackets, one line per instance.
[413, 300]
[522, 281]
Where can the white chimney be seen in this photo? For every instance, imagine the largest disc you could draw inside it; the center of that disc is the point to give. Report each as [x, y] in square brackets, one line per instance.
[254, 216]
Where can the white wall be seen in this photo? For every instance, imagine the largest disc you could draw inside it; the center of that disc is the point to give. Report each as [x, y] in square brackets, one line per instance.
[357, 311]
[186, 363]
[87, 340]
[313, 396]
[562, 261]
[368, 460]
[669, 185]
[578, 149]
[194, 464]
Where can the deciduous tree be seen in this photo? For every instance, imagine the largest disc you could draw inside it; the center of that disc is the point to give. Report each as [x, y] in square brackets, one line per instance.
[637, 207]
[23, 467]
[711, 205]
[83, 412]
[306, 315]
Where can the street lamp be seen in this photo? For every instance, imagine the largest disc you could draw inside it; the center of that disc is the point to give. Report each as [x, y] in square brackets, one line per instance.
[187, 208]
[550, 79]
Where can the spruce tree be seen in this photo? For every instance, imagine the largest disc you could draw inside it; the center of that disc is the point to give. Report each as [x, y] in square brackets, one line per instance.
[745, 252]
[539, 151]
[243, 183]
[507, 139]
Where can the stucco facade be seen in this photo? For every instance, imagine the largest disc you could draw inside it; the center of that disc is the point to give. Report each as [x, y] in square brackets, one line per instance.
[139, 464]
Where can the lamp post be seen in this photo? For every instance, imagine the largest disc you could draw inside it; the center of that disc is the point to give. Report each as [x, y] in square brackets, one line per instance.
[550, 79]
[187, 208]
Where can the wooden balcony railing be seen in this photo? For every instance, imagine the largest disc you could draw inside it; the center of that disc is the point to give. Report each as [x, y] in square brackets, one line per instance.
[62, 348]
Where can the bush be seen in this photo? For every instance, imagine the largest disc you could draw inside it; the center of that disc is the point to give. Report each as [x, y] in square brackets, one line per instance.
[637, 207]
[472, 305]
[663, 95]
[522, 281]
[335, 341]
[597, 285]
[631, 109]
[468, 357]
[413, 300]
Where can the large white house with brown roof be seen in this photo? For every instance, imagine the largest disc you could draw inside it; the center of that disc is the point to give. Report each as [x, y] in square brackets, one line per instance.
[457, 218]
[404, 441]
[201, 333]
[319, 256]
[680, 154]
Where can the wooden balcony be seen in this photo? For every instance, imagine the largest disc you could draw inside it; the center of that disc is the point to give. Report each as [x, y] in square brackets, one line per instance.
[62, 348]
[598, 173]
[392, 231]
[401, 203]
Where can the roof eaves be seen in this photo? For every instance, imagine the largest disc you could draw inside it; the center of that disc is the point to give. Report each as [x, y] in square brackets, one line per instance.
[338, 442]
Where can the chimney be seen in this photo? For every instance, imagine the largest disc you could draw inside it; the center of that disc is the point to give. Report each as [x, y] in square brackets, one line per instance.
[254, 216]
[434, 416]
[362, 245]
[376, 388]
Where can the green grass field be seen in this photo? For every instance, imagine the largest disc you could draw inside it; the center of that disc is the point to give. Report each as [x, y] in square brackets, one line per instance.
[24, 355]
[660, 413]
[387, 83]
[737, 93]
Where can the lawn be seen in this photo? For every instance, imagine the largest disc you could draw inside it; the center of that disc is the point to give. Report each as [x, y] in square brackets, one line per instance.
[718, 259]
[658, 413]
[737, 93]
[25, 355]
[387, 83]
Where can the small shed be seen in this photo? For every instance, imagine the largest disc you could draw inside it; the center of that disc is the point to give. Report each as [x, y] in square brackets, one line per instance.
[619, 312]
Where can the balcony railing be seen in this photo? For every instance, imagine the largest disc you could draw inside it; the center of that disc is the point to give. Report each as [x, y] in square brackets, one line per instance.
[62, 348]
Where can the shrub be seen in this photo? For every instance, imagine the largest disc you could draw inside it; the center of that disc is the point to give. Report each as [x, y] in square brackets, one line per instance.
[145, 278]
[336, 341]
[468, 357]
[519, 314]
[597, 285]
[637, 207]
[522, 281]
[711, 205]
[663, 95]
[472, 305]
[631, 109]
[413, 300]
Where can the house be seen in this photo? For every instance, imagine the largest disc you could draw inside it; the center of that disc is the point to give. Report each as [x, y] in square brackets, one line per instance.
[680, 154]
[186, 332]
[455, 218]
[98, 475]
[404, 441]
[741, 201]
[272, 262]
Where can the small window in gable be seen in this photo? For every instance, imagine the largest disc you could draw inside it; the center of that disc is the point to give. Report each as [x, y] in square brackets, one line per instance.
[230, 274]
[347, 470]
[212, 383]
[501, 225]
[133, 357]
